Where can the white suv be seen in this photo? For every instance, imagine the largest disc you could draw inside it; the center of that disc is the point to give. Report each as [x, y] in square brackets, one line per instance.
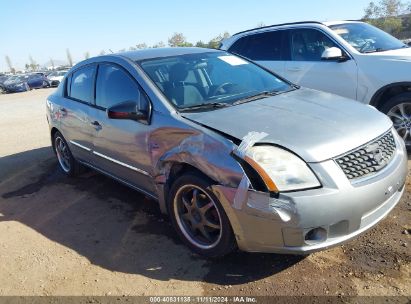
[349, 58]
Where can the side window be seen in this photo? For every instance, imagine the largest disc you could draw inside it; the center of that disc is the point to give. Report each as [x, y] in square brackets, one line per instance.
[309, 44]
[262, 46]
[114, 86]
[81, 86]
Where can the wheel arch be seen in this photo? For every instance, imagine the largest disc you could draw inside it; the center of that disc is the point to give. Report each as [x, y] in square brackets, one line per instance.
[387, 92]
[176, 169]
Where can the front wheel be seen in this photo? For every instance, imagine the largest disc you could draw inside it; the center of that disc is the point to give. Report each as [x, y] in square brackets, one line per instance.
[398, 109]
[199, 218]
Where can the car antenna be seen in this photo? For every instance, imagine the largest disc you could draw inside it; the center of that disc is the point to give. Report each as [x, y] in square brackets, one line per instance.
[111, 51]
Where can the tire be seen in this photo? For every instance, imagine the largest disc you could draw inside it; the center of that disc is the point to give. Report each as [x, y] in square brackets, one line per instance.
[66, 161]
[206, 213]
[398, 109]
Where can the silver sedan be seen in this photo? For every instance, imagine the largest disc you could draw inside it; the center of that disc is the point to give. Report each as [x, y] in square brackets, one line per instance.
[235, 155]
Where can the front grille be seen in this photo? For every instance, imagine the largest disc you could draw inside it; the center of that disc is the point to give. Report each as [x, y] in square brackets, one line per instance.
[368, 159]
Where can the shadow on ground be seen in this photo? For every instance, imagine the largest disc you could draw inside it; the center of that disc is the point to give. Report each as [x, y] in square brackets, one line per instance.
[113, 226]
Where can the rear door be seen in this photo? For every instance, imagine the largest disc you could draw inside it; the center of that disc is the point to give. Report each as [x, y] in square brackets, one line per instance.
[121, 146]
[269, 49]
[74, 111]
[306, 67]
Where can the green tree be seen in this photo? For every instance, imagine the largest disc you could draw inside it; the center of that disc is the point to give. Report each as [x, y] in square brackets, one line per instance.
[385, 15]
[201, 44]
[179, 40]
[215, 42]
[159, 45]
[141, 46]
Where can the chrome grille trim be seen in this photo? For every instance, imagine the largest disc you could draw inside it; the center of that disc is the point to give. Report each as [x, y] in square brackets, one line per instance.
[368, 159]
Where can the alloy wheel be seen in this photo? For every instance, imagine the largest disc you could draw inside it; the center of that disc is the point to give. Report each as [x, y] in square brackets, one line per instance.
[63, 154]
[400, 115]
[197, 216]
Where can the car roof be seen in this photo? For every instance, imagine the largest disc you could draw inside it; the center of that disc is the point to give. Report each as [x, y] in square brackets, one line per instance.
[331, 23]
[327, 23]
[162, 52]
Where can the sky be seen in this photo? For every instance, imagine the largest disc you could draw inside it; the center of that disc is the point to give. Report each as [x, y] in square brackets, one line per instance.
[45, 29]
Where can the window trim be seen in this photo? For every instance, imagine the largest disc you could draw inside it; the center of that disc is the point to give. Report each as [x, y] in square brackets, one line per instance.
[323, 32]
[287, 37]
[67, 93]
[142, 91]
[284, 41]
[96, 65]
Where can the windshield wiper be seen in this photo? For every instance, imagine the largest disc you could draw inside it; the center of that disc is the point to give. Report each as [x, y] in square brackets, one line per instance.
[205, 106]
[263, 94]
[377, 50]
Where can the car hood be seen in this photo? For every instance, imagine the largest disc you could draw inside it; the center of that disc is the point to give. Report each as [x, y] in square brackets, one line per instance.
[399, 54]
[315, 125]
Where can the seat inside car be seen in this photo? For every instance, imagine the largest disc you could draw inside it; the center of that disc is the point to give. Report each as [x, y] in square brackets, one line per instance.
[181, 93]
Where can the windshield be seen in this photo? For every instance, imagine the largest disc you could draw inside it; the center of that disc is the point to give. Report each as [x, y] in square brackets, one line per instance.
[209, 78]
[367, 38]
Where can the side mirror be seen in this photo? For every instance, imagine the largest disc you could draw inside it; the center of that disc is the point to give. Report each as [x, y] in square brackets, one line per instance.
[333, 53]
[128, 110]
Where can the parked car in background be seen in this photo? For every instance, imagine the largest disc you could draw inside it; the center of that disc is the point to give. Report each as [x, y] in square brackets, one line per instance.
[56, 77]
[16, 83]
[348, 58]
[235, 155]
[3, 78]
[37, 81]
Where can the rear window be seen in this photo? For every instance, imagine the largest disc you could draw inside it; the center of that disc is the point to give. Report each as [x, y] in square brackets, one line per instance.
[262, 46]
[81, 85]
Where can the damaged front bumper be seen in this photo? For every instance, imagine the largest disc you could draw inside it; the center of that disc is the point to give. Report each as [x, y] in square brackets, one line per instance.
[307, 221]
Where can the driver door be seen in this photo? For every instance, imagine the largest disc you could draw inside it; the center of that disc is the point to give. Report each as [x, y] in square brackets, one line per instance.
[120, 145]
[307, 69]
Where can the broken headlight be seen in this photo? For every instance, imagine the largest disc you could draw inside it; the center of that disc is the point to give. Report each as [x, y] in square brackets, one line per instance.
[281, 170]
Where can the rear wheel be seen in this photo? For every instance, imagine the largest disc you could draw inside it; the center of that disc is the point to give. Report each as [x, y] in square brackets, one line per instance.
[65, 159]
[199, 218]
[398, 109]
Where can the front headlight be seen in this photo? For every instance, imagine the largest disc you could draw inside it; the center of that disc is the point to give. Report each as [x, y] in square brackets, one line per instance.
[280, 169]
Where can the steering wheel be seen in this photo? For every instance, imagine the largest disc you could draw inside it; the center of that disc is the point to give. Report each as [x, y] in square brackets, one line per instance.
[220, 87]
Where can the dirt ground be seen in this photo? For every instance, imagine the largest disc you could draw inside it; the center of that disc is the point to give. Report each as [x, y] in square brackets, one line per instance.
[93, 236]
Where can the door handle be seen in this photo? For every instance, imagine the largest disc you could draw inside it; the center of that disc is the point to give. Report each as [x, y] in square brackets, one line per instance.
[294, 69]
[95, 123]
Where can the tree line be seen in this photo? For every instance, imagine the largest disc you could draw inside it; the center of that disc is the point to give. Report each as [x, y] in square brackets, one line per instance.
[176, 40]
[392, 16]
